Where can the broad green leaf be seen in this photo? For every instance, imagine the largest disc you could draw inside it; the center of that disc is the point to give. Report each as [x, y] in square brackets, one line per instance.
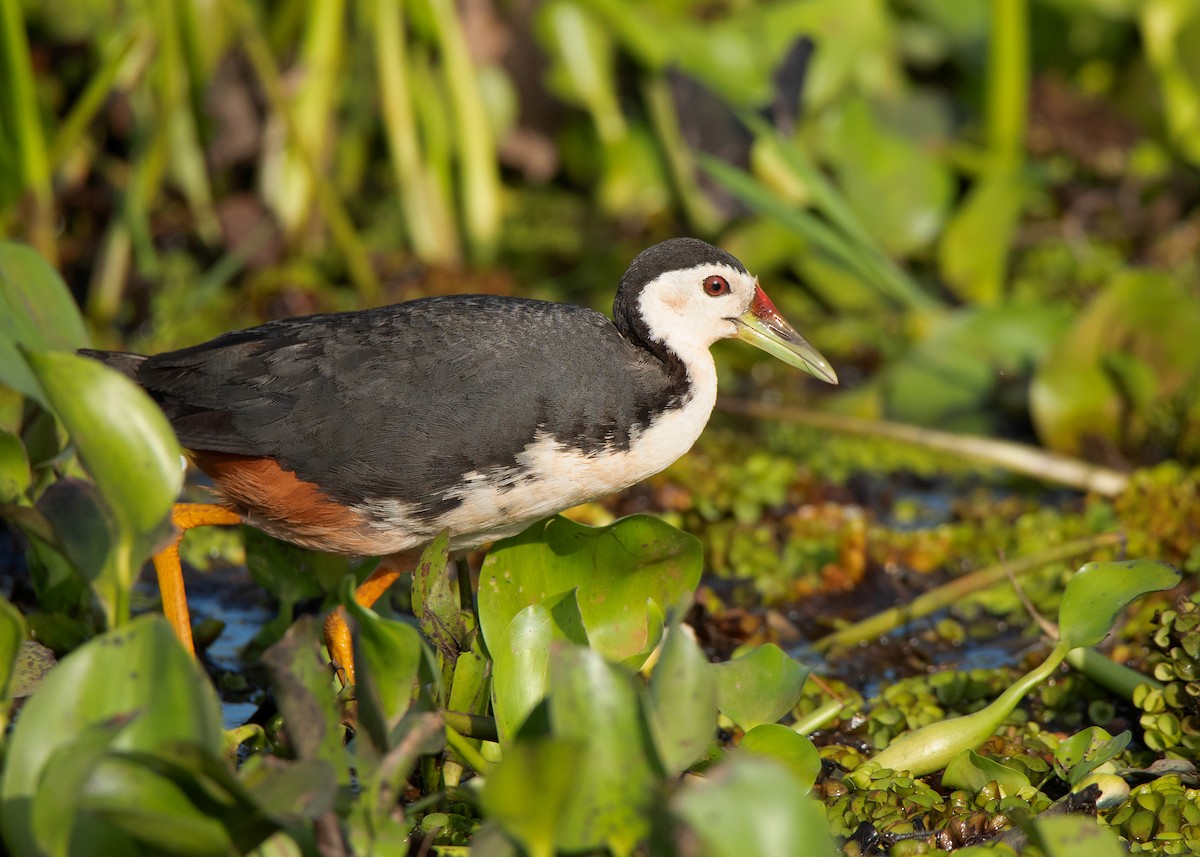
[1076, 757]
[83, 531]
[973, 253]
[1170, 31]
[151, 809]
[596, 704]
[1099, 591]
[972, 772]
[531, 815]
[760, 686]
[681, 701]
[1129, 364]
[899, 191]
[948, 379]
[521, 657]
[12, 634]
[778, 742]
[1073, 835]
[754, 807]
[305, 788]
[435, 602]
[139, 669]
[15, 476]
[128, 447]
[56, 810]
[617, 569]
[300, 678]
[289, 572]
[36, 311]
[388, 655]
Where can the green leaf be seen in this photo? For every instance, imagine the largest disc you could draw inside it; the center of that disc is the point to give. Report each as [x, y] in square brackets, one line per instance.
[972, 772]
[595, 704]
[435, 601]
[15, 475]
[301, 679]
[137, 669]
[1076, 757]
[947, 379]
[82, 530]
[531, 815]
[1087, 388]
[617, 570]
[388, 655]
[900, 191]
[754, 807]
[778, 742]
[521, 657]
[681, 701]
[124, 440]
[1100, 590]
[1072, 835]
[760, 686]
[12, 635]
[974, 249]
[36, 311]
[289, 572]
[129, 449]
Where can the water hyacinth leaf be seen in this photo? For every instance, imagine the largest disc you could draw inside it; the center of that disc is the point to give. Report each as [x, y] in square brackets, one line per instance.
[56, 810]
[1086, 389]
[138, 669]
[12, 635]
[36, 311]
[152, 810]
[616, 569]
[388, 655]
[301, 682]
[528, 816]
[899, 191]
[597, 705]
[435, 601]
[289, 572]
[521, 657]
[974, 249]
[83, 531]
[1100, 590]
[778, 742]
[123, 438]
[1072, 835]
[754, 807]
[1086, 750]
[760, 686]
[947, 379]
[972, 772]
[681, 701]
[15, 475]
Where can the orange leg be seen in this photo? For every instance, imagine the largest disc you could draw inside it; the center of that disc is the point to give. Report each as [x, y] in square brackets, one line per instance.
[337, 632]
[166, 562]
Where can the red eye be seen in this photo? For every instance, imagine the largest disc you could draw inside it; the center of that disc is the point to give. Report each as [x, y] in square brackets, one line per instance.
[715, 286]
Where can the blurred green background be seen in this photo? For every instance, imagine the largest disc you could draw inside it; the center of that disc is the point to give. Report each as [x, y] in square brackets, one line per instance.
[985, 213]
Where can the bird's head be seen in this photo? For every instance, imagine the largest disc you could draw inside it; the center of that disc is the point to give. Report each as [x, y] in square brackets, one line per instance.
[685, 294]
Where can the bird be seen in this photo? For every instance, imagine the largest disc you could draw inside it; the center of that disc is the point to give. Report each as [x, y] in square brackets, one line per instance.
[369, 433]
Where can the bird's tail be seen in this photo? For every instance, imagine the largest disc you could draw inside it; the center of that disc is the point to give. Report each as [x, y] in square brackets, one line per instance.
[124, 362]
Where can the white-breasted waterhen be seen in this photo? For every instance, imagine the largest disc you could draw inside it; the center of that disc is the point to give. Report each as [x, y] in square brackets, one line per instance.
[368, 433]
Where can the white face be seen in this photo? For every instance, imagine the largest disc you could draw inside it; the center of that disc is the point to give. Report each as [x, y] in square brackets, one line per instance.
[692, 308]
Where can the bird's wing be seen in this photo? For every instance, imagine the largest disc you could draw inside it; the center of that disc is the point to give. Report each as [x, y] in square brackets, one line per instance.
[401, 401]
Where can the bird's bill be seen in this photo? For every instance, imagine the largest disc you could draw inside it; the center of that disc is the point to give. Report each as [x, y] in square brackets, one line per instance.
[763, 327]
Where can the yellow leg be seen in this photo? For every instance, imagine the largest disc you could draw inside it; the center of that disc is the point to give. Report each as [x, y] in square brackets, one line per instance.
[184, 516]
[337, 632]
